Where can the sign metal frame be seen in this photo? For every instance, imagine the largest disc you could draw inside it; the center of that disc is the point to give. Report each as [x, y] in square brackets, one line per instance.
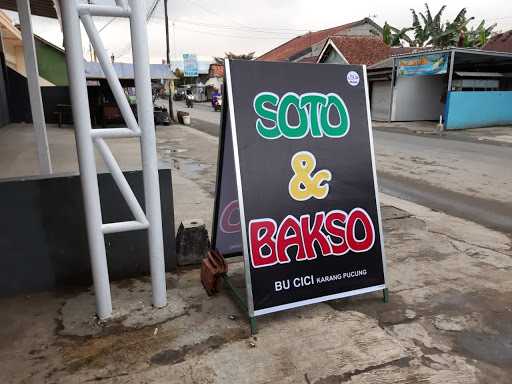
[228, 112]
[245, 245]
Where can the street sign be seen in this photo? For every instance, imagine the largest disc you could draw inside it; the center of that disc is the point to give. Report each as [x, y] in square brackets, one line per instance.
[190, 65]
[296, 144]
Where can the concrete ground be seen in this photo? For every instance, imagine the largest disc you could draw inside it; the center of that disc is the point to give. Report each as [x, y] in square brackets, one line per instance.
[449, 320]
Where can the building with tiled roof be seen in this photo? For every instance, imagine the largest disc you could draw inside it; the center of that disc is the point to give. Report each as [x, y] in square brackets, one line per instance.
[311, 59]
[502, 42]
[307, 47]
[365, 50]
[216, 70]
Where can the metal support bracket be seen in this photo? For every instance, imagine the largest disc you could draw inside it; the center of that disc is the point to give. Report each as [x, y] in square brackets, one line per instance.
[73, 13]
[240, 301]
[385, 295]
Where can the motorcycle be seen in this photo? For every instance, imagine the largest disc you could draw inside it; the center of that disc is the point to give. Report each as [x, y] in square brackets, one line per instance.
[217, 104]
[189, 101]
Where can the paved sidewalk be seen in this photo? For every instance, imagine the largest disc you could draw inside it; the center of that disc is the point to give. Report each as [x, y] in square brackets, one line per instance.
[501, 135]
[449, 320]
[189, 153]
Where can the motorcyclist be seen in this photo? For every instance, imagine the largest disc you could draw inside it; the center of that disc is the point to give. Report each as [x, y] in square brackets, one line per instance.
[216, 97]
[189, 99]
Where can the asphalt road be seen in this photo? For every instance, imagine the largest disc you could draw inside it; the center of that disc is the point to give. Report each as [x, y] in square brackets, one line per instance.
[465, 179]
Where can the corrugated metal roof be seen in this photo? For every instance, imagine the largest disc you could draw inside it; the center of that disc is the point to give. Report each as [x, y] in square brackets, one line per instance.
[125, 71]
[475, 51]
[388, 63]
[478, 74]
[43, 8]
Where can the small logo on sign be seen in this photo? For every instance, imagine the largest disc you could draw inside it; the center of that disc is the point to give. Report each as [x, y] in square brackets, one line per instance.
[353, 78]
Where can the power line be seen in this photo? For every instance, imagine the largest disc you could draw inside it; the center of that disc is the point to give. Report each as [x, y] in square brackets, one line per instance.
[107, 24]
[174, 38]
[243, 28]
[502, 18]
[235, 36]
[234, 29]
[211, 11]
[151, 11]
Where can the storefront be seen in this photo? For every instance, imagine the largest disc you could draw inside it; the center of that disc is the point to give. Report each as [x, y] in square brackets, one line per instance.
[466, 88]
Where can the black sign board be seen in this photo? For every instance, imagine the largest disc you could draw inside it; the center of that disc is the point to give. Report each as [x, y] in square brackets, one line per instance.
[296, 187]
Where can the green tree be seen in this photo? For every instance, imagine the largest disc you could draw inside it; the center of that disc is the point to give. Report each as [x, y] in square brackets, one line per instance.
[476, 37]
[395, 37]
[434, 25]
[452, 33]
[429, 30]
[421, 31]
[231, 55]
[180, 77]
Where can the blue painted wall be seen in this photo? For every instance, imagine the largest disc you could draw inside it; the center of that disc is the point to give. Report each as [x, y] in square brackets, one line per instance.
[478, 109]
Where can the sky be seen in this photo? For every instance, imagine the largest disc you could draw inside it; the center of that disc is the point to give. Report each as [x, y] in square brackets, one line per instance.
[211, 28]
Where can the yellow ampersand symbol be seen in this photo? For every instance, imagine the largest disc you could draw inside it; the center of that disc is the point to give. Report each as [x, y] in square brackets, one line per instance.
[303, 185]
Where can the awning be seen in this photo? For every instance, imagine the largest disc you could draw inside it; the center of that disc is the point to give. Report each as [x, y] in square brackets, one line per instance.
[125, 71]
[43, 8]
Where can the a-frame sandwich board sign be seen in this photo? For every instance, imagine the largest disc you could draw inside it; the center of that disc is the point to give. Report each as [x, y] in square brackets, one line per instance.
[297, 188]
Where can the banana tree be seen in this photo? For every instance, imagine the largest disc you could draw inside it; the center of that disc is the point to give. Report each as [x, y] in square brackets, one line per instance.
[427, 28]
[455, 32]
[430, 30]
[394, 37]
[231, 55]
[477, 37]
[421, 32]
[433, 25]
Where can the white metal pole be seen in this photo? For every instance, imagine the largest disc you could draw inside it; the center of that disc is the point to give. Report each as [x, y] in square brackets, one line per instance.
[148, 149]
[122, 184]
[391, 92]
[110, 73]
[85, 149]
[34, 90]
[450, 74]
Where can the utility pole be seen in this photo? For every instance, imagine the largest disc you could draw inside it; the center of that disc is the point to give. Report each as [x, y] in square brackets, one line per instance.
[171, 111]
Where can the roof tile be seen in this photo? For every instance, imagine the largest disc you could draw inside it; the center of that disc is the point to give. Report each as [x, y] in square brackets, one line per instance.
[362, 49]
[501, 42]
[216, 70]
[300, 43]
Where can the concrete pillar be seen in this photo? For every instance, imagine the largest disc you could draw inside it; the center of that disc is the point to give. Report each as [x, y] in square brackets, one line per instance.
[34, 89]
